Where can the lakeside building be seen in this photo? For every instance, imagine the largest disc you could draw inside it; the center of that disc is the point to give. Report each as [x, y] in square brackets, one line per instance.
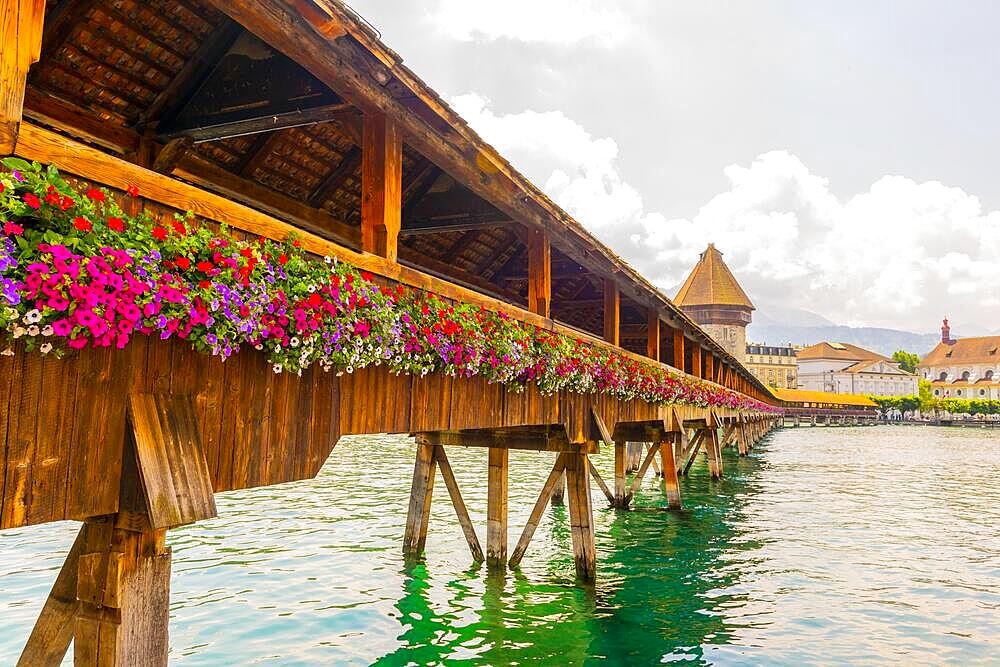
[775, 366]
[713, 298]
[843, 368]
[966, 368]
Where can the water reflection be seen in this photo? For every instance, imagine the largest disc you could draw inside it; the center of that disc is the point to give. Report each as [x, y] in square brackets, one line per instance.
[828, 545]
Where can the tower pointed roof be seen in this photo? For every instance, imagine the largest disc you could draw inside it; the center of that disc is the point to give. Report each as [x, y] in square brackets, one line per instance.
[712, 283]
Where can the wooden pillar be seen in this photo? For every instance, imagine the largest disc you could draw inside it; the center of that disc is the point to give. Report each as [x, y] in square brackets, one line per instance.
[620, 488]
[21, 39]
[123, 587]
[581, 516]
[612, 312]
[671, 485]
[381, 184]
[421, 492]
[559, 490]
[496, 509]
[696, 369]
[539, 272]
[653, 334]
[678, 345]
[714, 451]
[710, 367]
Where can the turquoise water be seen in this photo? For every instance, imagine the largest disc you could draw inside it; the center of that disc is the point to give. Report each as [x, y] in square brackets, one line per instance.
[827, 545]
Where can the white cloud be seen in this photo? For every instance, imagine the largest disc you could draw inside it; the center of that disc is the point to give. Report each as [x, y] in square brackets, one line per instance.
[549, 21]
[900, 254]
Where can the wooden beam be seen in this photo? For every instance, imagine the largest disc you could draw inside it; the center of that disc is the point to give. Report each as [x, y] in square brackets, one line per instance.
[539, 272]
[496, 508]
[423, 176]
[168, 157]
[185, 83]
[621, 494]
[612, 312]
[381, 185]
[458, 503]
[600, 482]
[432, 226]
[545, 439]
[269, 123]
[696, 369]
[678, 345]
[348, 166]
[53, 631]
[557, 473]
[709, 366]
[46, 108]
[581, 515]
[421, 491]
[21, 40]
[653, 333]
[671, 484]
[637, 480]
[211, 177]
[63, 18]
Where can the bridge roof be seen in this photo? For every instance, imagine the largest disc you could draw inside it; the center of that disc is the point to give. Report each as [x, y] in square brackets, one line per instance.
[827, 398]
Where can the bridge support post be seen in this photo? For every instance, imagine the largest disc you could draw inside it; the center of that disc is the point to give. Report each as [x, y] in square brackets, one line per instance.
[496, 509]
[621, 497]
[581, 515]
[671, 485]
[558, 490]
[111, 597]
[421, 491]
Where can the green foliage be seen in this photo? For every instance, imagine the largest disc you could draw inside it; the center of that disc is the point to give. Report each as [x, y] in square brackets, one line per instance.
[907, 360]
[926, 403]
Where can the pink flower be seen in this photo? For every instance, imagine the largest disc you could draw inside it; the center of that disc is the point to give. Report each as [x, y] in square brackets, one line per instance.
[12, 229]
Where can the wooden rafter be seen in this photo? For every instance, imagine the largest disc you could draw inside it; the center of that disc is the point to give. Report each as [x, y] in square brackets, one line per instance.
[182, 86]
[266, 123]
[348, 166]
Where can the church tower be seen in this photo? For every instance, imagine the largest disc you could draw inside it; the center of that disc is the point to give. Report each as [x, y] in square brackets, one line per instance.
[712, 298]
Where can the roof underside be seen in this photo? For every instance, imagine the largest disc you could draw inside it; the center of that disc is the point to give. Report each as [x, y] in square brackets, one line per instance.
[180, 87]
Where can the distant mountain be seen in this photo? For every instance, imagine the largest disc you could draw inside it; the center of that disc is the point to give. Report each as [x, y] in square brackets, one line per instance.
[883, 341]
[779, 325]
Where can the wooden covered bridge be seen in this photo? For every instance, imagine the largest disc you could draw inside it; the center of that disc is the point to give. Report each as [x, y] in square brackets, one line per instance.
[275, 117]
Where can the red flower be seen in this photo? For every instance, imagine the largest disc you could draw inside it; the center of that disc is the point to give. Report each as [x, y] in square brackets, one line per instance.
[132, 191]
[95, 194]
[11, 228]
[32, 201]
[65, 203]
[183, 263]
[82, 224]
[314, 300]
[205, 284]
[297, 243]
[1, 187]
[179, 227]
[367, 277]
[116, 224]
[159, 233]
[282, 259]
[204, 266]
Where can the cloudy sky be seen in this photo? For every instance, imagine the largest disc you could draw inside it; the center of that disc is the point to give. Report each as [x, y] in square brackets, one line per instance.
[844, 156]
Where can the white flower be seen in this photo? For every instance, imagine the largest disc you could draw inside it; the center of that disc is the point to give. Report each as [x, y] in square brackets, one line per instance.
[294, 342]
[19, 331]
[33, 330]
[327, 259]
[45, 348]
[32, 316]
[276, 368]
[47, 330]
[9, 352]
[311, 289]
[258, 346]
